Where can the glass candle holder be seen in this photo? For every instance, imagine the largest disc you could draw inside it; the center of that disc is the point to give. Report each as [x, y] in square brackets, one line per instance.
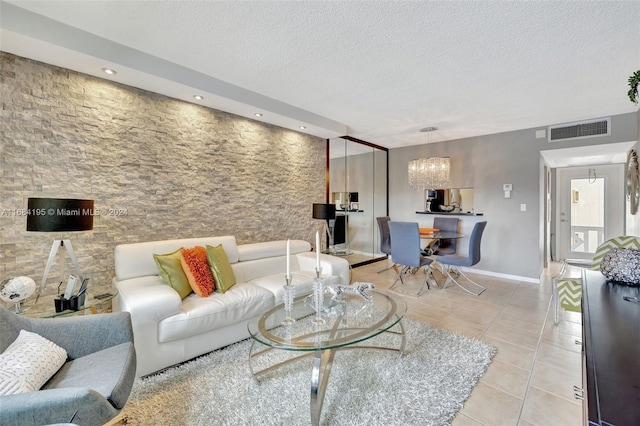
[318, 299]
[289, 293]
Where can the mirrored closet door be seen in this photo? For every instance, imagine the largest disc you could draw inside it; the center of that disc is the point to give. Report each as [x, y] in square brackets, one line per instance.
[358, 187]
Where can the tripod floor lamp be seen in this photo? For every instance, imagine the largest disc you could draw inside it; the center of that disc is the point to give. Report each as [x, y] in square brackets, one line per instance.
[59, 215]
[325, 212]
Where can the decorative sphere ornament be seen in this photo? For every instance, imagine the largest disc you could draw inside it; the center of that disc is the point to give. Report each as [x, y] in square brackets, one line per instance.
[16, 290]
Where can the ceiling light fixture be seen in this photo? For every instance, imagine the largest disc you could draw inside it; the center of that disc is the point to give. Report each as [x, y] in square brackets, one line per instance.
[302, 127]
[258, 114]
[429, 173]
[198, 97]
[109, 71]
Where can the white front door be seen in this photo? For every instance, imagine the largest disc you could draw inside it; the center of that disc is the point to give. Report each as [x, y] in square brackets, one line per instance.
[590, 209]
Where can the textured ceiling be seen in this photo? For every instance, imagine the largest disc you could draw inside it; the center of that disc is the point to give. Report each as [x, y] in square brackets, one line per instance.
[378, 71]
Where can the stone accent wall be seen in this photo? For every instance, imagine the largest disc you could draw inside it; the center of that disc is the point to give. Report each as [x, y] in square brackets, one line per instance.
[171, 169]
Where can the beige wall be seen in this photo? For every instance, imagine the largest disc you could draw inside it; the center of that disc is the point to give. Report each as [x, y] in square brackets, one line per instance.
[178, 169]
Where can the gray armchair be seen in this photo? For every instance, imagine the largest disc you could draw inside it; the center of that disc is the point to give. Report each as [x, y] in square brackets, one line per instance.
[92, 386]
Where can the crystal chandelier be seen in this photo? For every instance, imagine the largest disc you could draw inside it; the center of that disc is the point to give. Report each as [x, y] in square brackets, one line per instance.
[429, 173]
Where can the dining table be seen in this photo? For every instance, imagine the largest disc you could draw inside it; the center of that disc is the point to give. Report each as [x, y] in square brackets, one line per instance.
[434, 235]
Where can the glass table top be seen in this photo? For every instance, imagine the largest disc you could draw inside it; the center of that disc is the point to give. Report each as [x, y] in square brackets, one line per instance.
[441, 235]
[350, 320]
[44, 307]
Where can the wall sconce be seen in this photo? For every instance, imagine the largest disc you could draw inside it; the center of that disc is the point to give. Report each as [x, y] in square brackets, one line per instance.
[575, 196]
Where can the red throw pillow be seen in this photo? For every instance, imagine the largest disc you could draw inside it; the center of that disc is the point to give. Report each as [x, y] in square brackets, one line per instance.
[196, 268]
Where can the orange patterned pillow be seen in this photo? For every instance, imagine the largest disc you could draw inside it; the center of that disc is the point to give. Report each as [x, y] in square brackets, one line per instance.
[196, 268]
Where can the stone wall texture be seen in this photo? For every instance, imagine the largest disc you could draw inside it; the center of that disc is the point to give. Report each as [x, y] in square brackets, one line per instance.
[170, 168]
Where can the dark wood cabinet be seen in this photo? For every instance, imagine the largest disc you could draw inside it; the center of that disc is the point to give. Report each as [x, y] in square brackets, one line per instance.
[611, 352]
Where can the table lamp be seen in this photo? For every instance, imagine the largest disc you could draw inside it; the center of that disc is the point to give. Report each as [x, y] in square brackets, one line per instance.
[326, 212]
[59, 215]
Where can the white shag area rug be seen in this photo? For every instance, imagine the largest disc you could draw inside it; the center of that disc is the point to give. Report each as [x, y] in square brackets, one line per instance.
[426, 386]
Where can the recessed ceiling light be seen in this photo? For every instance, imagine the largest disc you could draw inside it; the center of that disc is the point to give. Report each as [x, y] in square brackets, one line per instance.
[258, 114]
[198, 97]
[302, 127]
[109, 71]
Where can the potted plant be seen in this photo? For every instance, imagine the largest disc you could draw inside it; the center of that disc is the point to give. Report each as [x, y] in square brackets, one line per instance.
[634, 80]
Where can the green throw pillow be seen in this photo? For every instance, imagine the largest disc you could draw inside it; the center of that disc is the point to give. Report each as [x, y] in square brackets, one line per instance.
[221, 268]
[170, 267]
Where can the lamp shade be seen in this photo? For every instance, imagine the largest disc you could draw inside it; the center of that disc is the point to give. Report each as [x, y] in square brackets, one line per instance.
[59, 215]
[324, 211]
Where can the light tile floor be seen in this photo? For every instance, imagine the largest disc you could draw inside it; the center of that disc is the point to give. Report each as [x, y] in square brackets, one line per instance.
[531, 378]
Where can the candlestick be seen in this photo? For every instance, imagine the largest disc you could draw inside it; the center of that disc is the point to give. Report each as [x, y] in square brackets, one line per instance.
[317, 250]
[288, 260]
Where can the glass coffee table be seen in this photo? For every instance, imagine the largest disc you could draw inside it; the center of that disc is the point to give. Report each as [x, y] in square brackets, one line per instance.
[348, 323]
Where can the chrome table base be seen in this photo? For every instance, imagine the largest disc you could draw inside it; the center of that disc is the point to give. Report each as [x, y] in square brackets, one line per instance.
[322, 363]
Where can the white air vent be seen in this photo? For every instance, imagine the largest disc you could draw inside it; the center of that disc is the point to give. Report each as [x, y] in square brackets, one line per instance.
[580, 129]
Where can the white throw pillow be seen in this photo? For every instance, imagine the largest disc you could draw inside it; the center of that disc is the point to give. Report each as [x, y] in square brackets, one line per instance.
[28, 363]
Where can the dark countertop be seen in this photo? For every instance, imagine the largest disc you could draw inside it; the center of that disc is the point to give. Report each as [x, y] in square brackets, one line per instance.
[452, 214]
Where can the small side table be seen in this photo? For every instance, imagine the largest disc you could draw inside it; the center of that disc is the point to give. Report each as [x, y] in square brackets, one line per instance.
[45, 307]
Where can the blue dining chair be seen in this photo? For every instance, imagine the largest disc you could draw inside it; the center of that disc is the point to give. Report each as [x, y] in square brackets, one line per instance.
[446, 245]
[385, 239]
[474, 257]
[405, 251]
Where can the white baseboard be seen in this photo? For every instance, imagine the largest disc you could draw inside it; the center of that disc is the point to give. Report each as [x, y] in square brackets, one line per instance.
[500, 275]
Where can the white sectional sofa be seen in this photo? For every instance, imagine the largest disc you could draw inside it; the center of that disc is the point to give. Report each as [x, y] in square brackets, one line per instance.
[168, 330]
